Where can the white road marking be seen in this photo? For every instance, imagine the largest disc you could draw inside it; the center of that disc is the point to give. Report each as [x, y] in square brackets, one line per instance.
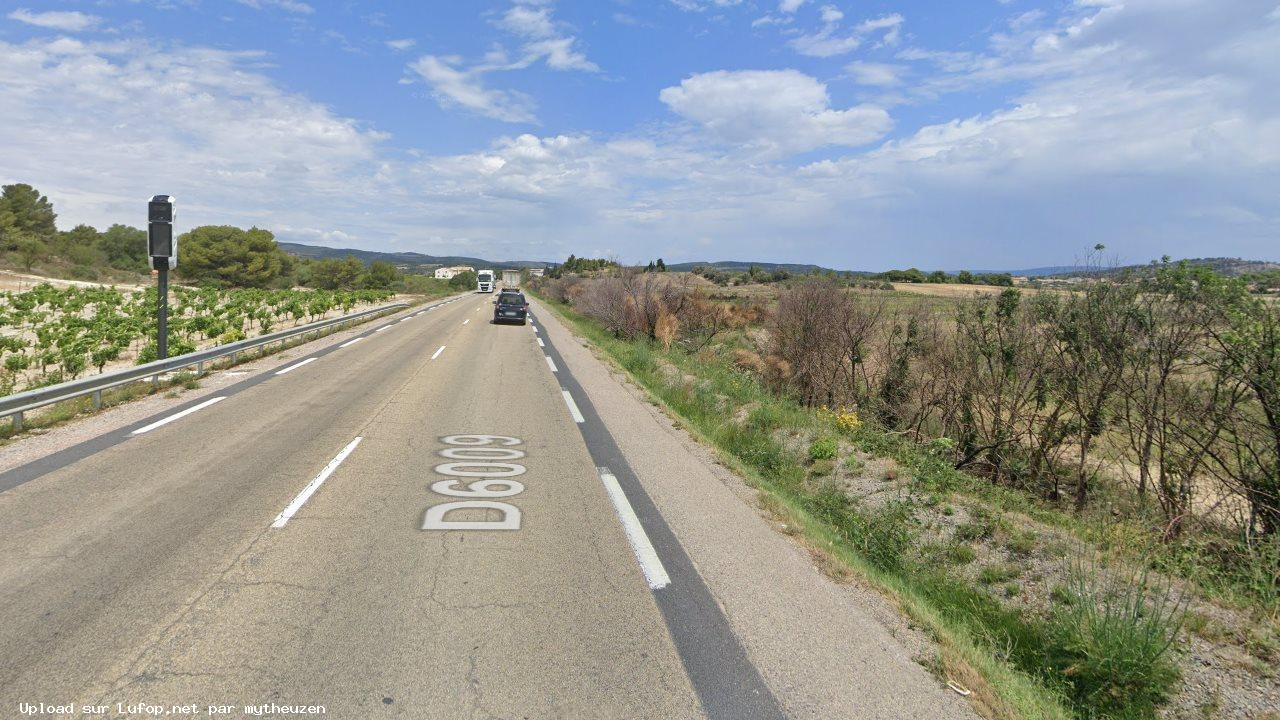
[295, 367]
[540, 343]
[314, 485]
[551, 363]
[352, 342]
[535, 327]
[654, 573]
[437, 353]
[384, 327]
[178, 415]
[464, 322]
[573, 407]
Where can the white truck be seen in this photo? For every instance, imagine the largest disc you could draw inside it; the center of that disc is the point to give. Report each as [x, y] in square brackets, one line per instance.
[484, 281]
[510, 278]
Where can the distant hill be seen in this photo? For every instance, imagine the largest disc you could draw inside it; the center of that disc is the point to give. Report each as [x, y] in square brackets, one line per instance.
[419, 261]
[743, 266]
[802, 269]
[1230, 267]
[412, 260]
[1045, 271]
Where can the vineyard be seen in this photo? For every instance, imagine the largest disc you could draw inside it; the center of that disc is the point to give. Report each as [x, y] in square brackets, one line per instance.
[49, 335]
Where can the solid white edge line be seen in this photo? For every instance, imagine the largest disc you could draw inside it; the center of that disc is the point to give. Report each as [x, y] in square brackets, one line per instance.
[295, 367]
[314, 485]
[551, 363]
[353, 341]
[177, 415]
[384, 327]
[573, 407]
[540, 343]
[436, 354]
[650, 564]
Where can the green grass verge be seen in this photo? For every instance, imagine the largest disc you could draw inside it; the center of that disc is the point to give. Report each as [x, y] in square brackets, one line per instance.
[1018, 666]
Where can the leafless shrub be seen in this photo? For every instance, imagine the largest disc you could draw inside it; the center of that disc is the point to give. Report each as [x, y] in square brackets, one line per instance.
[806, 336]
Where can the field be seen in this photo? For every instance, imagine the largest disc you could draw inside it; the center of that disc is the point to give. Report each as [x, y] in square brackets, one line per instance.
[49, 334]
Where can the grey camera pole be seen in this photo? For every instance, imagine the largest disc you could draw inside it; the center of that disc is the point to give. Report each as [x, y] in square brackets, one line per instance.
[162, 247]
[162, 314]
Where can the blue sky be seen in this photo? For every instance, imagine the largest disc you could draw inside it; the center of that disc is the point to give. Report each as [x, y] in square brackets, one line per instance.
[867, 135]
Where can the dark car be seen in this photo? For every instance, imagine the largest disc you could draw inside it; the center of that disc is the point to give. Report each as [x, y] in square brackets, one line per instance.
[510, 307]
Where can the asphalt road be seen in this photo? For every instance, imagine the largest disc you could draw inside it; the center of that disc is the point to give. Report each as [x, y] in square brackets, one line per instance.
[429, 521]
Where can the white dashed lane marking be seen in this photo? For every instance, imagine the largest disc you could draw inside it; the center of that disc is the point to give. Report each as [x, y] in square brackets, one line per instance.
[291, 368]
[573, 407]
[314, 485]
[650, 564]
[177, 415]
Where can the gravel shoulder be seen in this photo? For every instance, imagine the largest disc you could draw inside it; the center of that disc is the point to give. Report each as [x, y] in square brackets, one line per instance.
[825, 648]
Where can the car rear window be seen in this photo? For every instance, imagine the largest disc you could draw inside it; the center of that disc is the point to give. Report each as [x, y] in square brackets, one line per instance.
[510, 299]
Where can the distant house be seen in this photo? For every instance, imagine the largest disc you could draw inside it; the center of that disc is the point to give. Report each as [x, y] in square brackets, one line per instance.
[447, 273]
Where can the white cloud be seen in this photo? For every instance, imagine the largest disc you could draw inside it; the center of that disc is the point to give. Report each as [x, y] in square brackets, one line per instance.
[776, 111]
[891, 24]
[544, 41]
[701, 5]
[790, 6]
[67, 21]
[454, 87]
[132, 119]
[829, 41]
[402, 44]
[293, 6]
[560, 55]
[532, 22]
[879, 74]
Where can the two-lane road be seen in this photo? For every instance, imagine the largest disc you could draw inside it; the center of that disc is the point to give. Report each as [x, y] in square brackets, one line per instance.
[278, 546]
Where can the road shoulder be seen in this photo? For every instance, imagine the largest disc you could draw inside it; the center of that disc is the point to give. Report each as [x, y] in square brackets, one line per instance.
[825, 649]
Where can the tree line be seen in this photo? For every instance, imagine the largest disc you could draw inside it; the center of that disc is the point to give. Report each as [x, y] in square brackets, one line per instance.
[220, 256]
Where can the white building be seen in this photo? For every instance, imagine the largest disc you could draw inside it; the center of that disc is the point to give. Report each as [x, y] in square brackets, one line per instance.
[447, 273]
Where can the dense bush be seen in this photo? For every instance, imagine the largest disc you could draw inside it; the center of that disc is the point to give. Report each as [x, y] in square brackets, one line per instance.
[226, 256]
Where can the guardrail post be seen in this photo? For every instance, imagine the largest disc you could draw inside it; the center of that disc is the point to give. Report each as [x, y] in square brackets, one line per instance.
[200, 368]
[17, 420]
[97, 399]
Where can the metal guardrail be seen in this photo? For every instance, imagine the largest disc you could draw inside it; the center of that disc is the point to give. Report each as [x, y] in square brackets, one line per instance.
[15, 405]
